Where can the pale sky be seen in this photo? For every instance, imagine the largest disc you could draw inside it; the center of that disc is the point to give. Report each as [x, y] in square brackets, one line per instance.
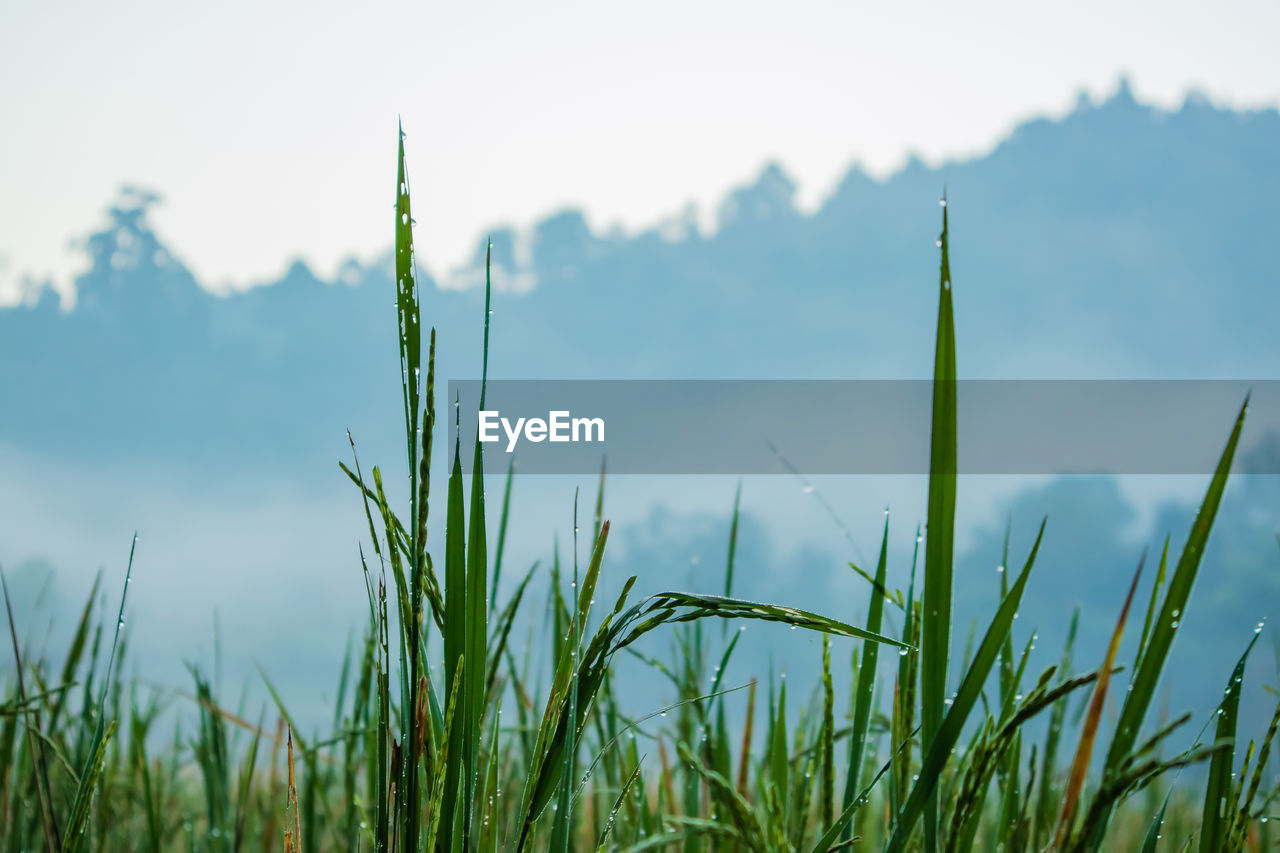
[269, 128]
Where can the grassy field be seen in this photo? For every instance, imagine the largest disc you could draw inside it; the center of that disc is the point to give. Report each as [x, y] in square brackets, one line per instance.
[448, 737]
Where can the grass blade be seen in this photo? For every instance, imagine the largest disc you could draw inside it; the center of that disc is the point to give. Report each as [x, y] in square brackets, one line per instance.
[940, 531]
[500, 547]
[1218, 804]
[866, 682]
[1153, 832]
[455, 644]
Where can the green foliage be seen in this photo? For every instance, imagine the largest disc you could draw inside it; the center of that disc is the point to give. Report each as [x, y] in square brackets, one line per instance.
[421, 756]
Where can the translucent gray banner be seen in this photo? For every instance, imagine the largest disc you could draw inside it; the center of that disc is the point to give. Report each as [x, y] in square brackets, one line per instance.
[865, 427]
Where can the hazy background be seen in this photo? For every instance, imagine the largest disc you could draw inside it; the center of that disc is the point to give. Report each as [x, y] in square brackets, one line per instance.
[672, 192]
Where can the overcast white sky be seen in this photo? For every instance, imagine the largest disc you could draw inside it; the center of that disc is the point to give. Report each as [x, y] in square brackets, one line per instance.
[269, 128]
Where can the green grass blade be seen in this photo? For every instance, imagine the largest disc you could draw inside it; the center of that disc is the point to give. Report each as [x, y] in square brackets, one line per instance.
[1218, 804]
[940, 530]
[1152, 839]
[864, 697]
[477, 636]
[562, 830]
[476, 596]
[1007, 688]
[1153, 603]
[501, 544]
[617, 807]
[455, 644]
[599, 516]
[733, 543]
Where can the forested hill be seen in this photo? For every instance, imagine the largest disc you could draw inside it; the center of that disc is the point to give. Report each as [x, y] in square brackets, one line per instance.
[1120, 240]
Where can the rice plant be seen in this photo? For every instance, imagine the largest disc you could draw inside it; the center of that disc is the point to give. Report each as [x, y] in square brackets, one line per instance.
[447, 736]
